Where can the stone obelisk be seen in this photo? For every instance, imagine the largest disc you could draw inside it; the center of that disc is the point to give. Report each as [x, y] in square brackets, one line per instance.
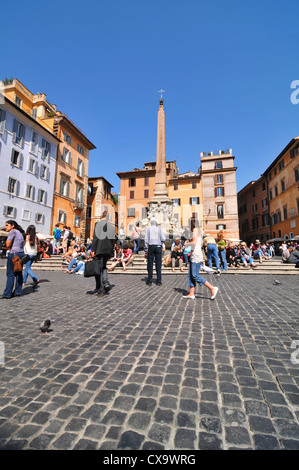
[161, 206]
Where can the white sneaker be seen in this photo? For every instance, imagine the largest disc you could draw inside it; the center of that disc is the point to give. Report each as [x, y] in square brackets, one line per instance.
[216, 292]
[189, 297]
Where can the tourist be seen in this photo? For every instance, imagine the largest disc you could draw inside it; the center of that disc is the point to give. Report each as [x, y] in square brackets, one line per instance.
[122, 235]
[65, 239]
[221, 245]
[186, 254]
[102, 249]
[246, 257]
[176, 254]
[30, 249]
[56, 239]
[231, 256]
[195, 262]
[136, 236]
[291, 255]
[14, 271]
[212, 251]
[126, 257]
[154, 239]
[117, 255]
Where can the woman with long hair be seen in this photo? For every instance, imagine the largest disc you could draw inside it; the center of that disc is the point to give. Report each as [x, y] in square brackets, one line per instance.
[15, 245]
[31, 244]
[195, 262]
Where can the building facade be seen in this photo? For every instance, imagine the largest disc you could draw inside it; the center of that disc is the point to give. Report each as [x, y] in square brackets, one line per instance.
[70, 179]
[27, 168]
[136, 190]
[283, 188]
[253, 209]
[100, 199]
[186, 193]
[219, 194]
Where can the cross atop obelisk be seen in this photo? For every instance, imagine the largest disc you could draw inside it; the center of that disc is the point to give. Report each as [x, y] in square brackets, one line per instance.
[161, 91]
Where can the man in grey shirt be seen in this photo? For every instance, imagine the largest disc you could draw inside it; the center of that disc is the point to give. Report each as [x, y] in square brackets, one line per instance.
[154, 238]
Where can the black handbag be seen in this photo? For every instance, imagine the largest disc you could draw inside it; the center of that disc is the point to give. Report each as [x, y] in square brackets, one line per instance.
[92, 268]
[25, 259]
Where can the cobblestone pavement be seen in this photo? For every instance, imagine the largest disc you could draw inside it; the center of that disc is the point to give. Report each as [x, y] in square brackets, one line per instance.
[144, 369]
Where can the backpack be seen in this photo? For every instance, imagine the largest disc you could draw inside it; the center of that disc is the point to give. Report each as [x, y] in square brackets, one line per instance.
[71, 236]
[57, 234]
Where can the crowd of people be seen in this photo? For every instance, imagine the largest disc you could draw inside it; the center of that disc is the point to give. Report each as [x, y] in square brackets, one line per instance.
[199, 252]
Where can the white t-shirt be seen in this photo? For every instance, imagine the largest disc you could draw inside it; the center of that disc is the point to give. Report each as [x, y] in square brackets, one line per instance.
[196, 254]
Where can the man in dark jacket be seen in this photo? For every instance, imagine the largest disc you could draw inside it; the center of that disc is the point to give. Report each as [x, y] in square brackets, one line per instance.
[102, 248]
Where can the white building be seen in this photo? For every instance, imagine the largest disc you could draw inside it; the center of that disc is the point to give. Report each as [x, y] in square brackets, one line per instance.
[27, 169]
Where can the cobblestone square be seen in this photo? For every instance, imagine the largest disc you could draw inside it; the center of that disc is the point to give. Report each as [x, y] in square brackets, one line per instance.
[144, 369]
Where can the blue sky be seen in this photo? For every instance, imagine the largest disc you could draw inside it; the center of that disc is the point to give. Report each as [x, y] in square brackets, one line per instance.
[227, 68]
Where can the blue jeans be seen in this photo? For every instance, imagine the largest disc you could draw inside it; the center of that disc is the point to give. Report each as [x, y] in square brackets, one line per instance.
[212, 252]
[154, 254]
[248, 260]
[194, 276]
[28, 271]
[223, 259]
[72, 263]
[136, 245]
[80, 267]
[11, 277]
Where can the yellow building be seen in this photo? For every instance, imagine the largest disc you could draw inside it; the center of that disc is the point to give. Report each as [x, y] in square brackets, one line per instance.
[136, 190]
[100, 199]
[283, 184]
[71, 176]
[186, 193]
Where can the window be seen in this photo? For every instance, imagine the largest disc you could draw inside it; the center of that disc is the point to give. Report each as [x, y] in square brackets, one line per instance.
[34, 143]
[67, 137]
[281, 165]
[176, 202]
[297, 174]
[270, 194]
[46, 150]
[194, 184]
[146, 181]
[278, 216]
[218, 165]
[254, 208]
[253, 193]
[283, 186]
[80, 169]
[42, 196]
[26, 215]
[79, 196]
[219, 191]
[220, 214]
[265, 202]
[144, 212]
[175, 186]
[193, 201]
[34, 113]
[219, 179]
[81, 149]
[39, 218]
[221, 227]
[44, 172]
[285, 212]
[265, 220]
[270, 176]
[132, 182]
[255, 223]
[146, 194]
[132, 194]
[106, 191]
[9, 211]
[275, 171]
[32, 166]
[279, 233]
[77, 221]
[264, 186]
[88, 212]
[64, 188]
[131, 212]
[294, 152]
[90, 189]
[66, 156]
[18, 133]
[13, 185]
[61, 216]
[18, 101]
[2, 120]
[276, 190]
[16, 158]
[30, 191]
